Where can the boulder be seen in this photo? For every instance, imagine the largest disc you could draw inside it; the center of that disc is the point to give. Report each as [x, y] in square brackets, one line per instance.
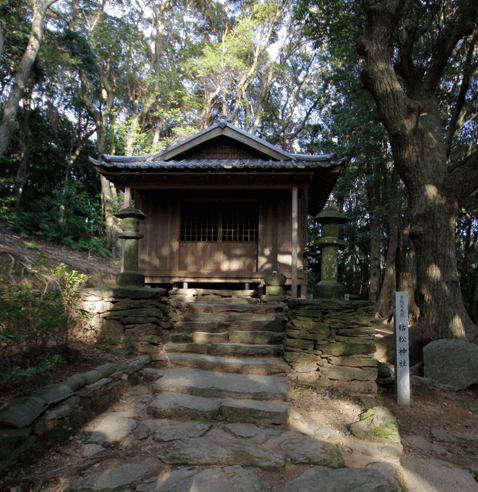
[451, 363]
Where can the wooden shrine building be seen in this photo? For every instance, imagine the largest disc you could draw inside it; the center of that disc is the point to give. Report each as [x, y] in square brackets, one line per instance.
[224, 206]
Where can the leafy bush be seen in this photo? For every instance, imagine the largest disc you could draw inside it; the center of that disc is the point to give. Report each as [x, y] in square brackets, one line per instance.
[70, 217]
[35, 326]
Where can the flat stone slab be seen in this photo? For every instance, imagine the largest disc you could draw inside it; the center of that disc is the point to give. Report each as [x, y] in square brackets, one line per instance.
[92, 449]
[183, 406]
[429, 475]
[53, 393]
[319, 431]
[455, 437]
[227, 479]
[152, 374]
[254, 411]
[220, 385]
[243, 337]
[218, 451]
[424, 445]
[320, 479]
[9, 438]
[304, 451]
[209, 307]
[114, 427]
[117, 479]
[256, 365]
[142, 432]
[392, 451]
[225, 349]
[252, 433]
[171, 430]
[378, 423]
[22, 411]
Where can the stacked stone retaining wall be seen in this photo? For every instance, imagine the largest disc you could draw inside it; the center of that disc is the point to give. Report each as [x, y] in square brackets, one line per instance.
[34, 422]
[137, 317]
[330, 343]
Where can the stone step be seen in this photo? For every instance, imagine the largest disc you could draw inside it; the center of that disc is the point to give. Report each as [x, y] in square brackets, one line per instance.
[184, 406]
[219, 300]
[220, 385]
[251, 309]
[246, 337]
[213, 324]
[257, 366]
[188, 293]
[254, 411]
[225, 349]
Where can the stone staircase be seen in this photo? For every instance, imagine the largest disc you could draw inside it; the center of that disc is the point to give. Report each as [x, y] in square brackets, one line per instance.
[225, 362]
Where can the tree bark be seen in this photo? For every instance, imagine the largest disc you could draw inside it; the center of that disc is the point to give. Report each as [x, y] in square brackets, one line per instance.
[407, 275]
[373, 192]
[384, 304]
[412, 121]
[10, 107]
[25, 149]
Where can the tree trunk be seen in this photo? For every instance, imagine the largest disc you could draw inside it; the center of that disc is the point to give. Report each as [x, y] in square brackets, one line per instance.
[407, 277]
[25, 148]
[373, 191]
[384, 304]
[413, 124]
[10, 107]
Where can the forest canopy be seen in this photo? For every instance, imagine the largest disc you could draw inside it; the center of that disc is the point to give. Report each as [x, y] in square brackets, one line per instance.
[391, 84]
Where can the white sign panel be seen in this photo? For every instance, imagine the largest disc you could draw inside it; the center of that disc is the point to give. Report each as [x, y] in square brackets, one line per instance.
[402, 346]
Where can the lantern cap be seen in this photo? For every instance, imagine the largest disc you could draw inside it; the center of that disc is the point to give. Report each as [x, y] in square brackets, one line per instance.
[130, 213]
[331, 216]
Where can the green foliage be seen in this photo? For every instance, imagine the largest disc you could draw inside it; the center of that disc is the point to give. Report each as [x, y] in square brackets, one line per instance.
[35, 326]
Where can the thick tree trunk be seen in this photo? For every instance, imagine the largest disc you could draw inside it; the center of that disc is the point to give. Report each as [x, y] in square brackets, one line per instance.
[384, 304]
[407, 275]
[10, 107]
[413, 124]
[442, 311]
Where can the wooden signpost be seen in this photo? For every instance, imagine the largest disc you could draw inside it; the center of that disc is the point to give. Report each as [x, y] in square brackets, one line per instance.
[402, 362]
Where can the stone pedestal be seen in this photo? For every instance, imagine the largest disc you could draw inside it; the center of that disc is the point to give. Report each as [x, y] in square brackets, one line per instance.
[130, 276]
[328, 287]
[274, 287]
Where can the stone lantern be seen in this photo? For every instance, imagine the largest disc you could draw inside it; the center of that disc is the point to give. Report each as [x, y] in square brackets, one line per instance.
[130, 275]
[328, 287]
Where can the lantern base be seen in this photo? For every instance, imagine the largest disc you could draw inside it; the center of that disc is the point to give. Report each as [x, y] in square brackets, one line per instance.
[329, 289]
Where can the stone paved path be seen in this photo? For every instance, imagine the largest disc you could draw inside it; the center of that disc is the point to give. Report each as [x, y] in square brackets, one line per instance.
[219, 422]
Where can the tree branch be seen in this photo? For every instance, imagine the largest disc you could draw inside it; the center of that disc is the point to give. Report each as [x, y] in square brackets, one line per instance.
[453, 33]
[463, 177]
[469, 70]
[396, 110]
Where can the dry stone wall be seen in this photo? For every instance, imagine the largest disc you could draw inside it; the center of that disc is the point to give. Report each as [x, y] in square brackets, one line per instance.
[330, 343]
[135, 316]
[33, 422]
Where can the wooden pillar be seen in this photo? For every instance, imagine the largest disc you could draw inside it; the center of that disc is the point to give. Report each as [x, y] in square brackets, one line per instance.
[126, 204]
[295, 234]
[127, 196]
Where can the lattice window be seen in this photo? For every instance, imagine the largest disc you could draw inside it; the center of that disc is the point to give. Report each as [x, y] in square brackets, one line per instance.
[199, 223]
[219, 222]
[239, 225]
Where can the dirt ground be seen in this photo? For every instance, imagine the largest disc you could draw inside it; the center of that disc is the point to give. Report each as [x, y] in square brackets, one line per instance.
[452, 412]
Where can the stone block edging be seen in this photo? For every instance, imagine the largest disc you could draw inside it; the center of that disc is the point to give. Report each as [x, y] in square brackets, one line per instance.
[32, 423]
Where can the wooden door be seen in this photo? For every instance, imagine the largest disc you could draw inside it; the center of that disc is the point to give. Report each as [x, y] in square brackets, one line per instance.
[218, 236]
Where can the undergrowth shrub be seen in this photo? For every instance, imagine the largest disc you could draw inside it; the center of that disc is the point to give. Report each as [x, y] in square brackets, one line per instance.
[35, 325]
